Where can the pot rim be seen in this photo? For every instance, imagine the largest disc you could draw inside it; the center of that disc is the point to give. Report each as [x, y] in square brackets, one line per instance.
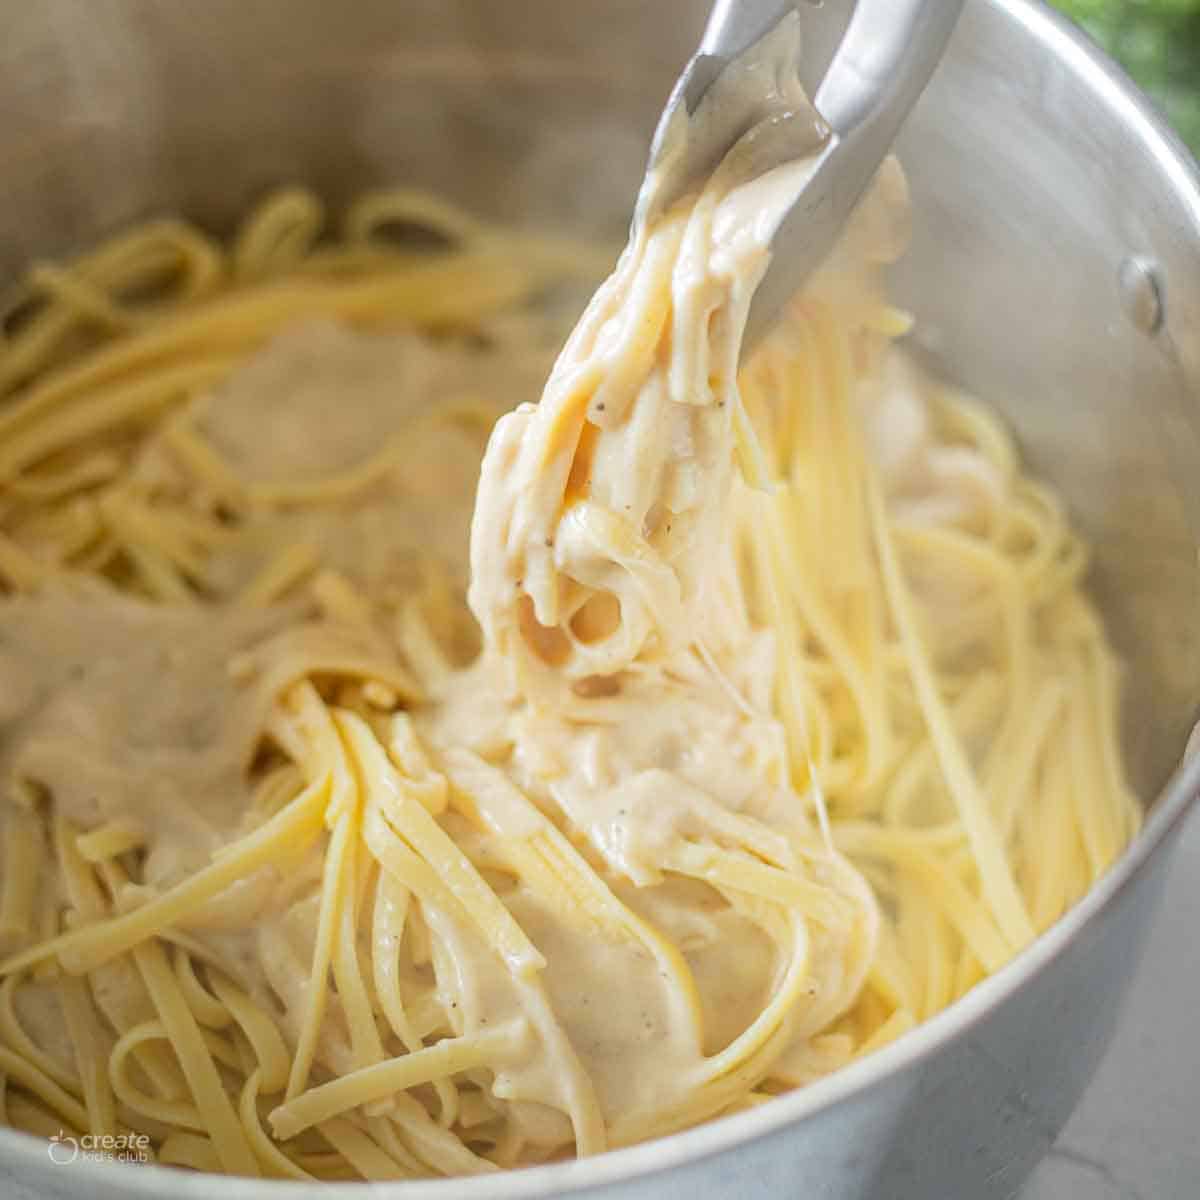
[1118, 94]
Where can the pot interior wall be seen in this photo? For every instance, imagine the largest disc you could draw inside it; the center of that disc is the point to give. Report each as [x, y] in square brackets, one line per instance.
[1031, 201]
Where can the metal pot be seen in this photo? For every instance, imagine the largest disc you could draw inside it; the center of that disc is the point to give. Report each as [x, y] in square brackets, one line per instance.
[1055, 271]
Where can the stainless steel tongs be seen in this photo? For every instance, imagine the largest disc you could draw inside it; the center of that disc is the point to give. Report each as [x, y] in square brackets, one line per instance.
[882, 65]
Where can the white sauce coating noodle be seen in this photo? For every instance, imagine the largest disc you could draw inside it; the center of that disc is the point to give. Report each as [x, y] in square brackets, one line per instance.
[302, 876]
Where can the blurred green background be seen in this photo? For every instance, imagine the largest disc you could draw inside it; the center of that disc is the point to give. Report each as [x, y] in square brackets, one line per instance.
[1158, 43]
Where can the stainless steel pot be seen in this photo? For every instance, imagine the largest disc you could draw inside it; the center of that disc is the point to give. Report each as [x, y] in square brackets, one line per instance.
[1055, 271]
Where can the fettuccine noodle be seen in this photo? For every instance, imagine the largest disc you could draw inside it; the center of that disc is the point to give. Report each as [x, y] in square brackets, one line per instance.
[789, 720]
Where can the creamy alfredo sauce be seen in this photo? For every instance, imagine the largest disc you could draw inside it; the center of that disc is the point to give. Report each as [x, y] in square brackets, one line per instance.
[636, 693]
[621, 685]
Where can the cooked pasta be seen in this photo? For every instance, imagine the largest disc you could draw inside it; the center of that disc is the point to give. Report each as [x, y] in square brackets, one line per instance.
[785, 721]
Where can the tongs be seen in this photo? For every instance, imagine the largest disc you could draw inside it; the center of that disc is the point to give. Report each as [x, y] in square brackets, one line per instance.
[889, 51]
